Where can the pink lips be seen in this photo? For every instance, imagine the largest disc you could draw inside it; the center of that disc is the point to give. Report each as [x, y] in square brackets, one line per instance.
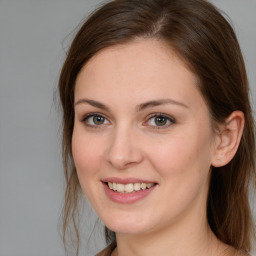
[126, 198]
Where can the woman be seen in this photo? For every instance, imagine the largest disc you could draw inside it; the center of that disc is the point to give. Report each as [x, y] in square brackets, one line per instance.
[158, 130]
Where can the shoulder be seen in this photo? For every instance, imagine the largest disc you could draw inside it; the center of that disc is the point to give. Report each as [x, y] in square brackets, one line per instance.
[230, 251]
[108, 250]
[242, 254]
[105, 252]
[234, 252]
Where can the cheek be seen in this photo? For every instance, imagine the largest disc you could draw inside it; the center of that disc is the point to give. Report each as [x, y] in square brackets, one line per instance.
[185, 155]
[87, 155]
[87, 148]
[83, 154]
[183, 165]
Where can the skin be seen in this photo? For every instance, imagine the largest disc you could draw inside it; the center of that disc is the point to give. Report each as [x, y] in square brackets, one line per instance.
[130, 143]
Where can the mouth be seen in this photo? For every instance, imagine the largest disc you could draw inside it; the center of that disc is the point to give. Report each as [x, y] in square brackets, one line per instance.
[130, 187]
[127, 191]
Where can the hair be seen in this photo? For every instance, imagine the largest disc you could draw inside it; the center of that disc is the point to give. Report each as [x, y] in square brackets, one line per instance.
[201, 36]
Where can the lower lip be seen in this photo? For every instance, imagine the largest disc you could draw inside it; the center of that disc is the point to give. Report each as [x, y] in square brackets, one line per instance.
[127, 198]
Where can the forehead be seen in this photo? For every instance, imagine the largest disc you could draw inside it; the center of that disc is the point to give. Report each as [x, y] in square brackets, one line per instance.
[147, 53]
[143, 68]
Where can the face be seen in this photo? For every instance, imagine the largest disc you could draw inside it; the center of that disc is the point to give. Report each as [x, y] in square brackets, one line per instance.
[142, 140]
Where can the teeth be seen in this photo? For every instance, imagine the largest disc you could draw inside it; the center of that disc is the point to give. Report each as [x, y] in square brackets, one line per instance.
[143, 186]
[120, 187]
[110, 185]
[136, 186]
[129, 188]
[149, 185]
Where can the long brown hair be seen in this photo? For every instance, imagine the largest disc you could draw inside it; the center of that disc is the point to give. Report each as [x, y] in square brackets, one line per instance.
[202, 37]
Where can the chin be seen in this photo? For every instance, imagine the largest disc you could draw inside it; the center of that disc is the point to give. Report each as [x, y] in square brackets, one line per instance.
[128, 229]
[129, 224]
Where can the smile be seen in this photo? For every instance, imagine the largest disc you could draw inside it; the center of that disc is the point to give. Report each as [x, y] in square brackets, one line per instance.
[127, 191]
[129, 188]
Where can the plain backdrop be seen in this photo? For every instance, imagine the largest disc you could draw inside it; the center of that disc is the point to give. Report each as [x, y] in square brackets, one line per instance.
[34, 35]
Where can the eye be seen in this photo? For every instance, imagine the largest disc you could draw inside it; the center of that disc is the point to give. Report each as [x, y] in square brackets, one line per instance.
[160, 120]
[95, 120]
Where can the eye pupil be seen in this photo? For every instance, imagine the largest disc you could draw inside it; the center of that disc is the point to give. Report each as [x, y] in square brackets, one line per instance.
[160, 121]
[98, 120]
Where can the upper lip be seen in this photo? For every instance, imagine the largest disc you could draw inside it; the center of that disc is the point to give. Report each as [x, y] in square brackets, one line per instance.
[126, 180]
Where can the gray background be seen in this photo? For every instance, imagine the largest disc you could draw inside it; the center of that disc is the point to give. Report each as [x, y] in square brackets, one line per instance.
[33, 37]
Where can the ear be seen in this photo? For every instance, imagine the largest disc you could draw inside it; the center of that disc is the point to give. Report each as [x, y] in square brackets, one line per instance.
[228, 139]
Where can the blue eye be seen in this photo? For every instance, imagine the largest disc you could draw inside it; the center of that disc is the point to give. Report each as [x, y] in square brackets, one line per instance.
[95, 120]
[160, 120]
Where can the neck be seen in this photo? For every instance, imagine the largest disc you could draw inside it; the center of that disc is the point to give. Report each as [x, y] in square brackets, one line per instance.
[193, 238]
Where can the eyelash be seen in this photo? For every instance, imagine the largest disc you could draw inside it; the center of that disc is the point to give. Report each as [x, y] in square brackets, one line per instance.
[152, 116]
[86, 117]
[161, 115]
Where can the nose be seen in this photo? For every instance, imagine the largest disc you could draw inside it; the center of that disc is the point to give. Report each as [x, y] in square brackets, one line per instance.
[124, 151]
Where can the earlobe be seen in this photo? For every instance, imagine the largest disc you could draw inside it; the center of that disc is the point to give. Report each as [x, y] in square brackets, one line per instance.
[229, 137]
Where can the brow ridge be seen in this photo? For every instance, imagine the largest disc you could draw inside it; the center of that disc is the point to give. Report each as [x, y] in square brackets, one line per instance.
[93, 103]
[140, 107]
[155, 103]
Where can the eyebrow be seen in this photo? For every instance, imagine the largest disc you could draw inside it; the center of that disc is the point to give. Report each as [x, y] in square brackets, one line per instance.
[140, 107]
[155, 103]
[93, 103]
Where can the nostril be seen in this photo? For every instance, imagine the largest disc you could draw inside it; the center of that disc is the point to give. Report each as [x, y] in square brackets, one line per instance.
[123, 151]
